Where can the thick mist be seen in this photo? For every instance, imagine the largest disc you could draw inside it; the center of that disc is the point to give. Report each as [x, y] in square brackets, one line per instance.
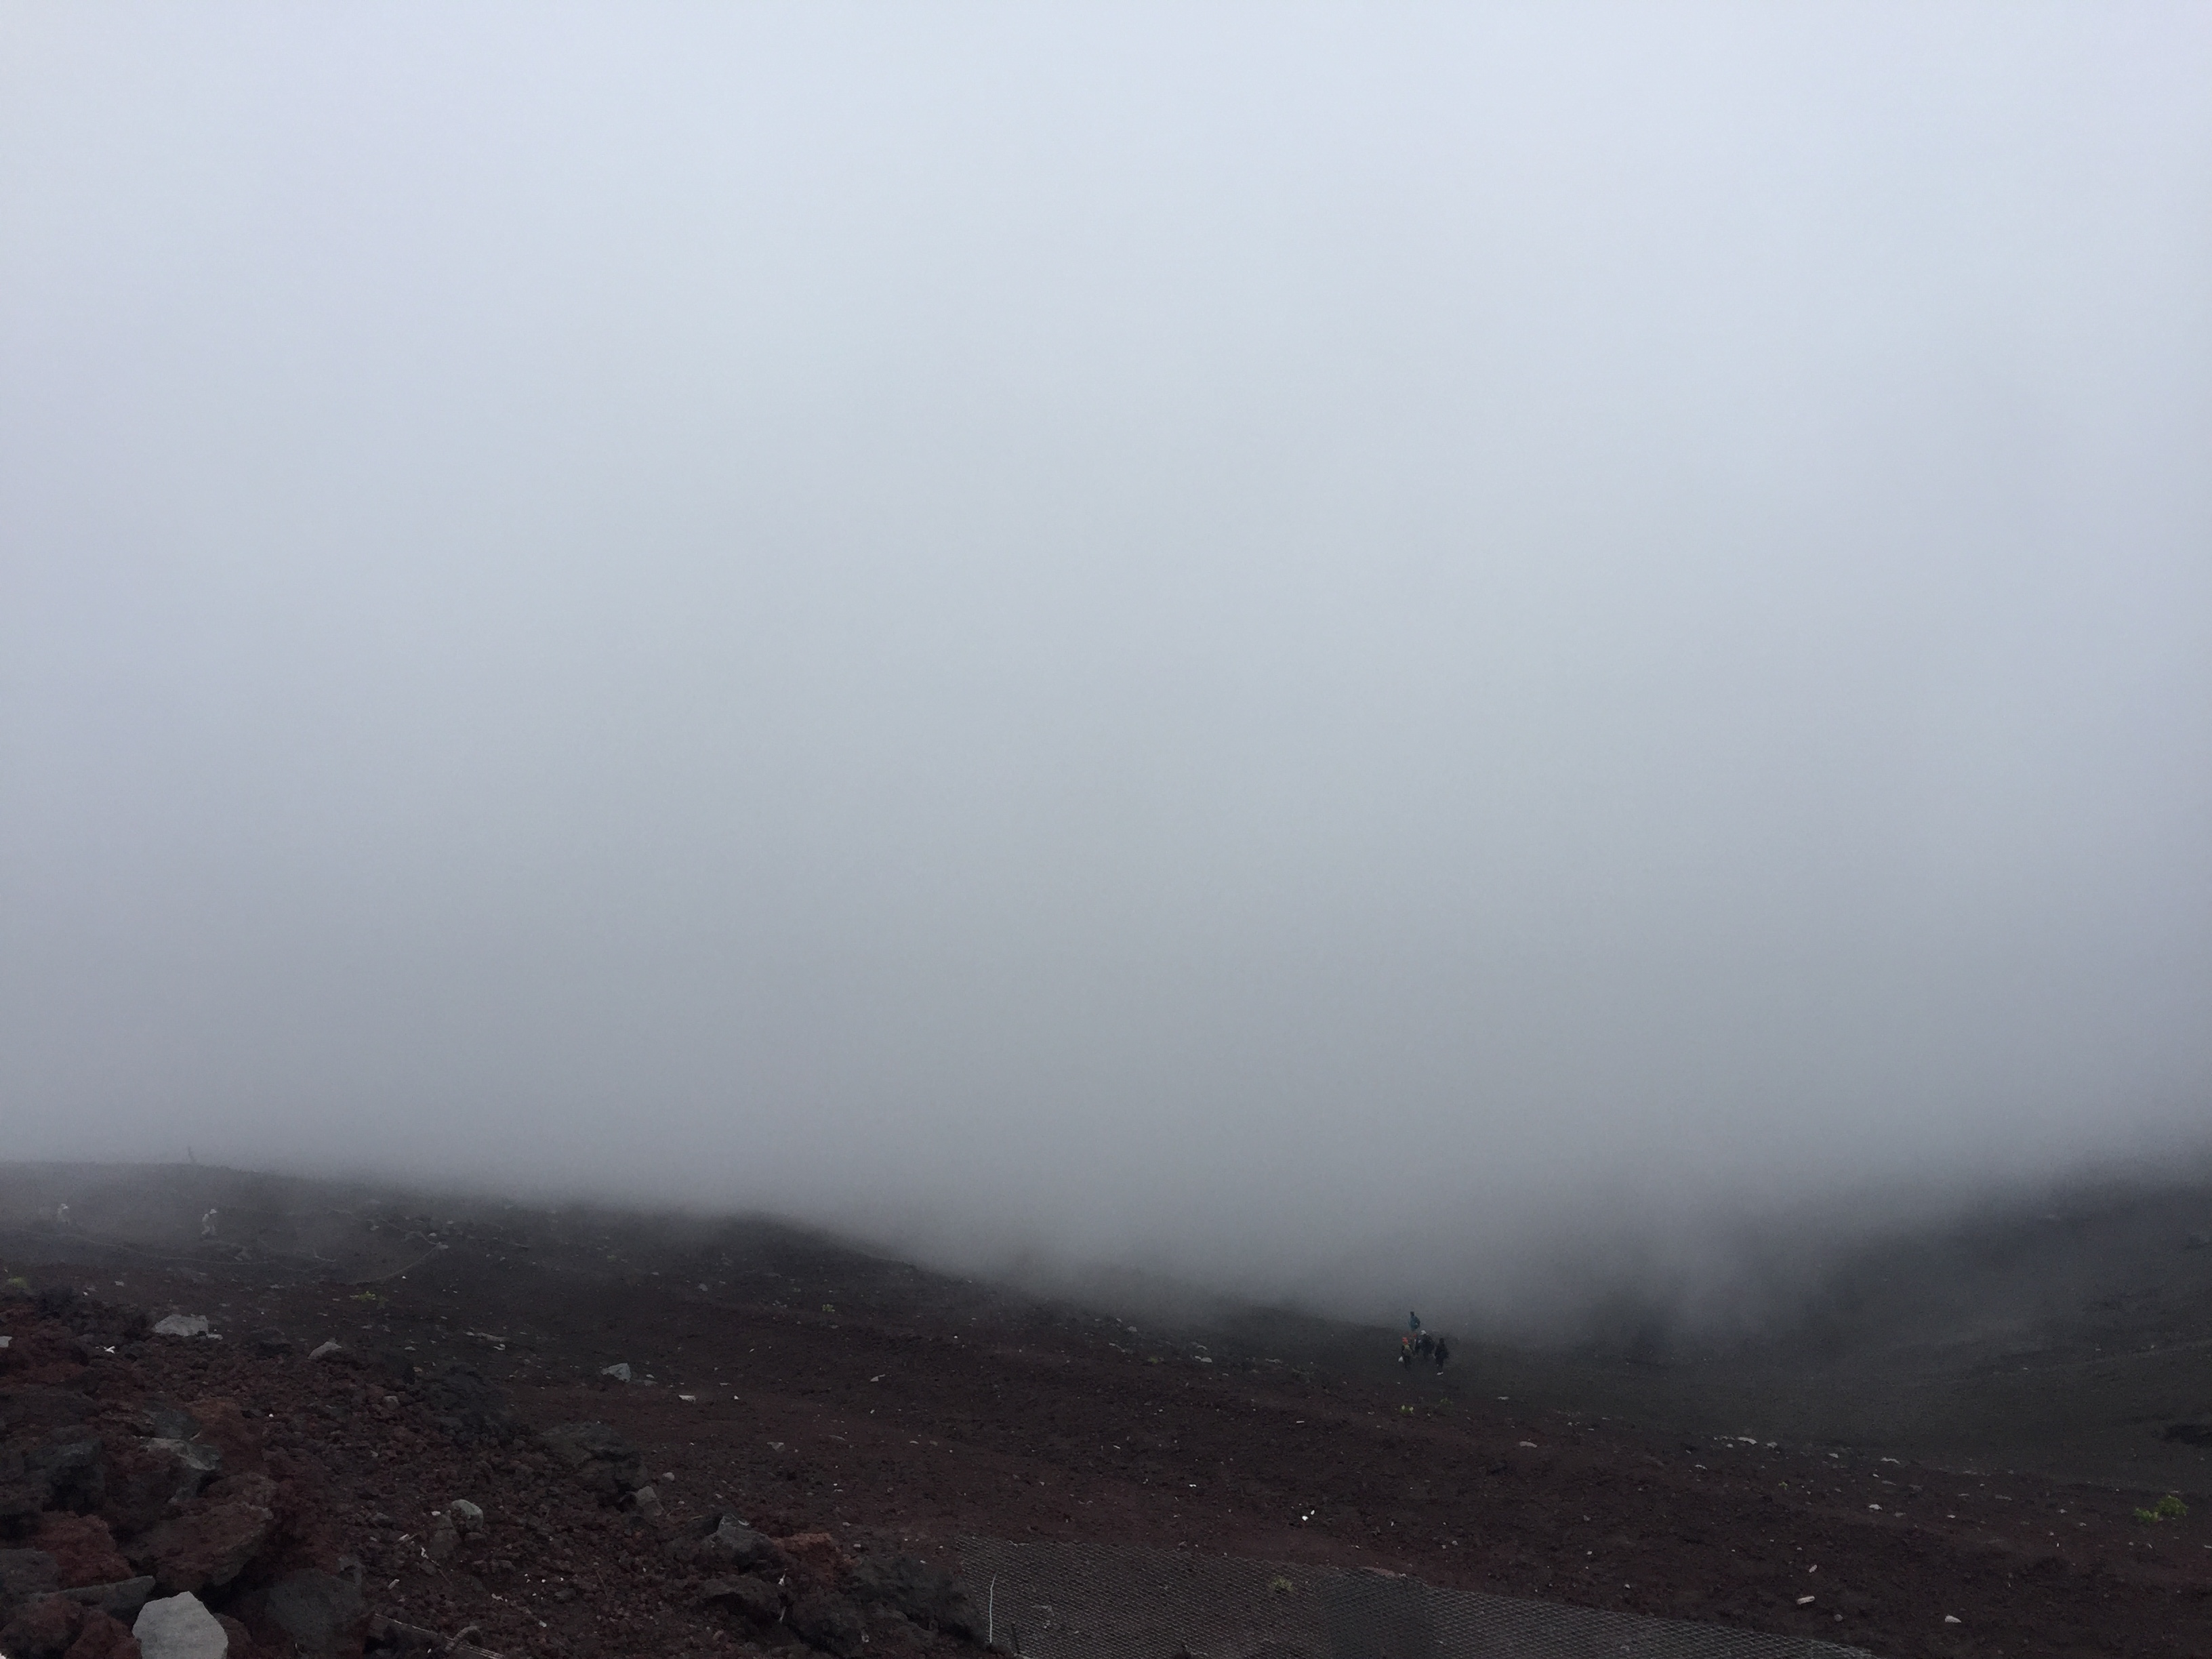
[1348, 653]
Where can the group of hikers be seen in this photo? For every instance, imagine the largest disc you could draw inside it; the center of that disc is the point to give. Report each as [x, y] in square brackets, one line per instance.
[1417, 1344]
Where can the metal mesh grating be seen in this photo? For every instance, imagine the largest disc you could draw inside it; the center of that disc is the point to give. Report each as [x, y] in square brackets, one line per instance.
[1093, 1601]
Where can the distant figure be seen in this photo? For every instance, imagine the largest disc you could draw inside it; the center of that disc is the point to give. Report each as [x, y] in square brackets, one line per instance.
[1425, 1347]
[1413, 1323]
[207, 1224]
[1406, 1353]
[61, 1215]
[1443, 1352]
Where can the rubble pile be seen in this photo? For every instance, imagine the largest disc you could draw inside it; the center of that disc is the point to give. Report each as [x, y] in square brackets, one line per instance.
[172, 1495]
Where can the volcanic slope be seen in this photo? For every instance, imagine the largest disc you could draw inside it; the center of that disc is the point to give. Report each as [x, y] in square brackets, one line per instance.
[812, 1387]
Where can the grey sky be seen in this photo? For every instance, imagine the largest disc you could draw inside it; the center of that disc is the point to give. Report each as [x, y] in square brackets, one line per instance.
[1204, 632]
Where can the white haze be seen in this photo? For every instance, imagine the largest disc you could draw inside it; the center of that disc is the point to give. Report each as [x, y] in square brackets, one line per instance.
[1334, 649]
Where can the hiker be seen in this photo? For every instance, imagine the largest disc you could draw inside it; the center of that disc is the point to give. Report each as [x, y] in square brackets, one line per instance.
[1413, 1323]
[207, 1224]
[1406, 1353]
[1443, 1352]
[1425, 1347]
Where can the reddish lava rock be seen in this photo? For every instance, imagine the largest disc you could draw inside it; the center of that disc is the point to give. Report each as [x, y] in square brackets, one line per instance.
[83, 1549]
[816, 1563]
[45, 1630]
[242, 1644]
[205, 1548]
[103, 1637]
[146, 1479]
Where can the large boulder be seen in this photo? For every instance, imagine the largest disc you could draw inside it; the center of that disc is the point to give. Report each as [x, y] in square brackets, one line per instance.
[206, 1547]
[748, 1596]
[45, 1451]
[323, 1613]
[607, 1465]
[734, 1547]
[928, 1595]
[831, 1623]
[72, 1467]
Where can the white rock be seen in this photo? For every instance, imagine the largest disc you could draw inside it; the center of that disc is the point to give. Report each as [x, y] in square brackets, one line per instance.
[467, 1516]
[179, 1627]
[1950, 1618]
[326, 1350]
[182, 1325]
[619, 1372]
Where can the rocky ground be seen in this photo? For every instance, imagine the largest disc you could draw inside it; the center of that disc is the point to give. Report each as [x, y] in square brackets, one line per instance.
[807, 1432]
[307, 1503]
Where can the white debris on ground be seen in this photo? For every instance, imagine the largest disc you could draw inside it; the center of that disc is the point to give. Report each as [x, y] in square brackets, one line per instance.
[182, 1325]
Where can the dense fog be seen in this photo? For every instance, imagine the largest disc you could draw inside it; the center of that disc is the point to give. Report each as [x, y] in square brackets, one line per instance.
[1353, 654]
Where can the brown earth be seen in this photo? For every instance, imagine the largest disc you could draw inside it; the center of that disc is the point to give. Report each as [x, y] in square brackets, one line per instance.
[813, 1390]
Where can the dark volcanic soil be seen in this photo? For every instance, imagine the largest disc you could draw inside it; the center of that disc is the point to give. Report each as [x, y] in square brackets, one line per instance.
[808, 1388]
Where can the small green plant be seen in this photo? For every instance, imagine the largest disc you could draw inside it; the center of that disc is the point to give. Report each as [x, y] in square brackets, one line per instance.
[2168, 1508]
[368, 1295]
[20, 1284]
[1280, 1586]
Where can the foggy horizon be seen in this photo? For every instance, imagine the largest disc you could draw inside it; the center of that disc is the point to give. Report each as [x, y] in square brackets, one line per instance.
[1322, 650]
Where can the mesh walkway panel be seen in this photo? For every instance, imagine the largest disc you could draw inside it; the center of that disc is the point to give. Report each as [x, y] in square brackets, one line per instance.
[1097, 1601]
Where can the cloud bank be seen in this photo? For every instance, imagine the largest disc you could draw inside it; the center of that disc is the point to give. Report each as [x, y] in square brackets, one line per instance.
[1303, 644]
